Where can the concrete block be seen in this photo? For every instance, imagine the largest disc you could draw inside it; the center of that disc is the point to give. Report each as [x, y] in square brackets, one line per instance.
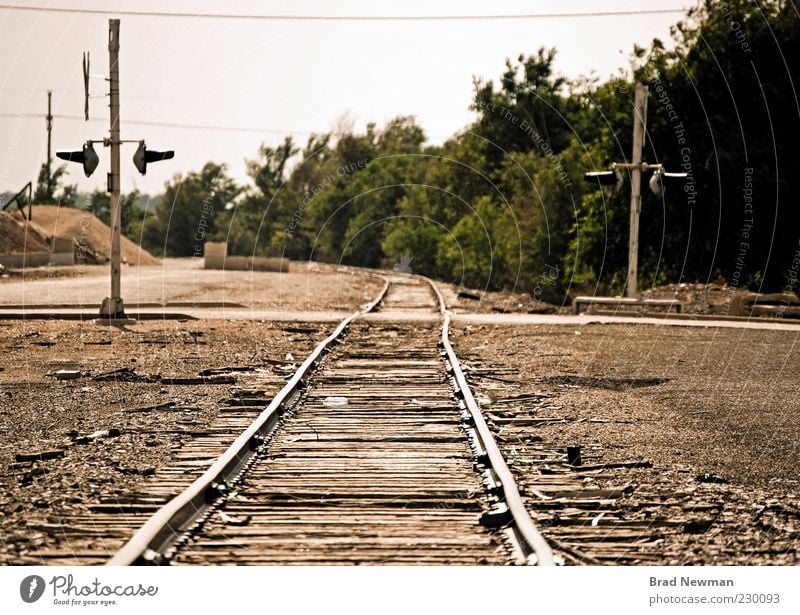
[215, 249]
[268, 263]
[62, 244]
[62, 258]
[216, 257]
[214, 253]
[29, 259]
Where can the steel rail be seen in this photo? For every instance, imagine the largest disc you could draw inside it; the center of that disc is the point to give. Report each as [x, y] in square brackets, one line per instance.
[524, 528]
[180, 513]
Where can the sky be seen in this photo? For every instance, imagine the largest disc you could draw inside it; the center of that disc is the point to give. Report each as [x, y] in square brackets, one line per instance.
[216, 89]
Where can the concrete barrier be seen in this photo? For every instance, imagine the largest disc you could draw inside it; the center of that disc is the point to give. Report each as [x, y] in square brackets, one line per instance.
[62, 258]
[620, 303]
[36, 259]
[264, 263]
[62, 253]
[62, 244]
[28, 259]
[215, 256]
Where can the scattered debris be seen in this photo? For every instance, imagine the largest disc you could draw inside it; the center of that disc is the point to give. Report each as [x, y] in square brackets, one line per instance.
[574, 457]
[711, 478]
[27, 477]
[698, 526]
[220, 379]
[40, 455]
[522, 397]
[138, 471]
[103, 433]
[463, 294]
[165, 406]
[229, 520]
[611, 384]
[128, 374]
[216, 371]
[624, 464]
[303, 330]
[334, 401]
[123, 374]
[596, 520]
[67, 374]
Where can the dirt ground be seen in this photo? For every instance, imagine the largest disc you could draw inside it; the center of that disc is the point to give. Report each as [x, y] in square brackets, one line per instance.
[692, 401]
[124, 416]
[716, 402]
[184, 282]
[89, 232]
[124, 392]
[17, 238]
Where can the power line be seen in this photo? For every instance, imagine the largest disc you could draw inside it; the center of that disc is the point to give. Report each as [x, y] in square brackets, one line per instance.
[164, 124]
[242, 16]
[197, 126]
[183, 126]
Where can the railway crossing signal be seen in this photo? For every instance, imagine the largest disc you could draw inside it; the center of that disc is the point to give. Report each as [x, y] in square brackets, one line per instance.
[611, 182]
[86, 156]
[112, 307]
[657, 186]
[143, 156]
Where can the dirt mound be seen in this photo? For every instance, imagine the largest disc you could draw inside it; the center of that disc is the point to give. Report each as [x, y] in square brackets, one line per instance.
[89, 232]
[18, 237]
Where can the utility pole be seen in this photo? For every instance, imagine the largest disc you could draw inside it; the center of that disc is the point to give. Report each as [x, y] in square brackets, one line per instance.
[639, 123]
[611, 182]
[49, 135]
[112, 307]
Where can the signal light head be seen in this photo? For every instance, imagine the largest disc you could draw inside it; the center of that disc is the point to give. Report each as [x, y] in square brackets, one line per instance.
[143, 156]
[657, 181]
[609, 181]
[86, 156]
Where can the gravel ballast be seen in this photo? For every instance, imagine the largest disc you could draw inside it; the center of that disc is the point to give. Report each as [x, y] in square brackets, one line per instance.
[715, 411]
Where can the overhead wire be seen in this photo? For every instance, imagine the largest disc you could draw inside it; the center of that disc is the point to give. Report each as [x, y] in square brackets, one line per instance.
[301, 17]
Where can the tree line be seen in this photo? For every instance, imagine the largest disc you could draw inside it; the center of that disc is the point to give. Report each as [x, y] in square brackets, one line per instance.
[503, 203]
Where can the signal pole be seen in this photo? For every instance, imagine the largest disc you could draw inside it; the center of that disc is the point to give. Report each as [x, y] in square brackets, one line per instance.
[611, 182]
[49, 131]
[112, 310]
[112, 307]
[639, 123]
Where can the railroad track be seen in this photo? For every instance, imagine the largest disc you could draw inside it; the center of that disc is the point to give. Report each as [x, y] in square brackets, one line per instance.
[375, 452]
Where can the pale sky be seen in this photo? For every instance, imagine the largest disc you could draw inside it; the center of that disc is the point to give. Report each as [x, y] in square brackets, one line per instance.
[270, 78]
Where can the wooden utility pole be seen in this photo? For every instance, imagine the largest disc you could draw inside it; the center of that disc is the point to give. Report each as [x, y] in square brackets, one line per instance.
[113, 307]
[49, 138]
[611, 182]
[639, 123]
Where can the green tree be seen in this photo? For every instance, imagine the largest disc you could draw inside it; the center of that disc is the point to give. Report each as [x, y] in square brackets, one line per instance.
[50, 188]
[100, 206]
[250, 225]
[185, 217]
